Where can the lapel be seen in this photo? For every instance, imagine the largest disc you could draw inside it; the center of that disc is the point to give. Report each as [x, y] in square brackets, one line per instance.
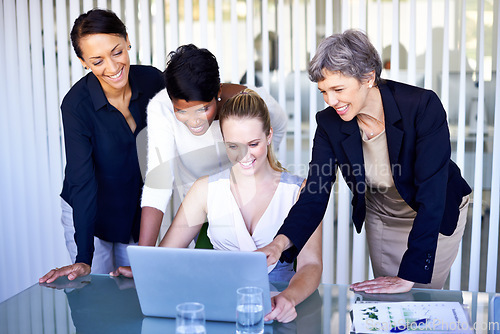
[393, 131]
[353, 150]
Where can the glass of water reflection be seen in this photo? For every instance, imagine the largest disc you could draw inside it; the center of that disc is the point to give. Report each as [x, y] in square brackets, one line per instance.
[190, 318]
[249, 311]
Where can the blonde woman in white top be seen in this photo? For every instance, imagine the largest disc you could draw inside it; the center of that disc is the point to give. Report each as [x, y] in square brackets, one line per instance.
[247, 203]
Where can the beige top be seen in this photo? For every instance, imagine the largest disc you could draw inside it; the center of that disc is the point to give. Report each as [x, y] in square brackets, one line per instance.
[381, 194]
[378, 173]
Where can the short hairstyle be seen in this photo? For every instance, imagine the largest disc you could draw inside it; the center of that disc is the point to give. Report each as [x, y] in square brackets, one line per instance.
[350, 53]
[248, 104]
[192, 74]
[96, 21]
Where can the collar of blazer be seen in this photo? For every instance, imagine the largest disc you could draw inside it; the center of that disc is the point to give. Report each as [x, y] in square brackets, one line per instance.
[352, 143]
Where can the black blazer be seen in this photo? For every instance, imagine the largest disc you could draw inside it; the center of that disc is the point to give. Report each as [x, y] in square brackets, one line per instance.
[418, 141]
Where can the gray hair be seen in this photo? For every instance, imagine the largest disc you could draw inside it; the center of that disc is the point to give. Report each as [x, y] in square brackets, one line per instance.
[350, 53]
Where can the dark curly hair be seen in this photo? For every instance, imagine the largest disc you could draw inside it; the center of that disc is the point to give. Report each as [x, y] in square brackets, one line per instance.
[192, 74]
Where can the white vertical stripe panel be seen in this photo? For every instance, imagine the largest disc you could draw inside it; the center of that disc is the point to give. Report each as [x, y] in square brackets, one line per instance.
[204, 23]
[328, 17]
[456, 268]
[343, 312]
[313, 87]
[63, 51]
[326, 314]
[359, 240]
[159, 59]
[328, 240]
[53, 121]
[297, 115]
[130, 22]
[250, 49]
[76, 66]
[234, 41]
[395, 41]
[29, 245]
[428, 49]
[345, 20]
[220, 37]
[8, 149]
[445, 73]
[343, 222]
[475, 257]
[491, 271]
[46, 195]
[88, 5]
[362, 15]
[145, 35]
[412, 56]
[173, 26]
[188, 20]
[5, 183]
[116, 6]
[455, 272]
[102, 4]
[281, 73]
[359, 256]
[378, 45]
[266, 81]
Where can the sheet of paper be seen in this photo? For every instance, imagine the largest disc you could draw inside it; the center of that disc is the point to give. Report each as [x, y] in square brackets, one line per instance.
[427, 317]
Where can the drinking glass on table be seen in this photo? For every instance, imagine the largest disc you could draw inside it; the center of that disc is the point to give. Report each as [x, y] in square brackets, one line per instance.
[249, 311]
[190, 318]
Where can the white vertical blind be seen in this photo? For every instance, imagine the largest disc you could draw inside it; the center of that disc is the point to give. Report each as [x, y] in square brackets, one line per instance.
[395, 41]
[281, 74]
[234, 41]
[203, 23]
[428, 51]
[266, 80]
[491, 266]
[478, 170]
[188, 20]
[174, 25]
[160, 57]
[412, 56]
[145, 35]
[250, 49]
[297, 115]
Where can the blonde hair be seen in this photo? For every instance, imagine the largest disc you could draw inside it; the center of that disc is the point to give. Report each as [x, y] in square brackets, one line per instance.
[248, 104]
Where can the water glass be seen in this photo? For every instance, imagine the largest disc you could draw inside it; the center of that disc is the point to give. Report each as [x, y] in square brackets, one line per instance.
[190, 318]
[249, 311]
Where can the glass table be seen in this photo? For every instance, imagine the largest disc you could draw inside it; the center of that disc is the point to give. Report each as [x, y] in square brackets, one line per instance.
[103, 304]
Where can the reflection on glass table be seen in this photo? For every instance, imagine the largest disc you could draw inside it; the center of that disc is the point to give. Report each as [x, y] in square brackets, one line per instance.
[102, 304]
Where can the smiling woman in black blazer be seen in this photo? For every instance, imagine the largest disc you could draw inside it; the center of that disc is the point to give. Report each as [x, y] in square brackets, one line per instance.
[391, 142]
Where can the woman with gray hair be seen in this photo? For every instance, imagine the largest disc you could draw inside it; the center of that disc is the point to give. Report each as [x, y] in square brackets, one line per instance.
[391, 143]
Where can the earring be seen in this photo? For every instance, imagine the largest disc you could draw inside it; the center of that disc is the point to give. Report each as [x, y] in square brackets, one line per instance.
[218, 99]
[129, 46]
[85, 67]
[370, 86]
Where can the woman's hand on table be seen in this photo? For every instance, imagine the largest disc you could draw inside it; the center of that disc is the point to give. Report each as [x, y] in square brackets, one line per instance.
[72, 271]
[282, 309]
[125, 271]
[385, 284]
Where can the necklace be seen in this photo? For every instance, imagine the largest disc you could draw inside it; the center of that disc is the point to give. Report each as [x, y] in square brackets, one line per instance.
[370, 130]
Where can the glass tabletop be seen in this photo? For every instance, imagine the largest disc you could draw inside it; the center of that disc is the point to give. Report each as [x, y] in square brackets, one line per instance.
[104, 304]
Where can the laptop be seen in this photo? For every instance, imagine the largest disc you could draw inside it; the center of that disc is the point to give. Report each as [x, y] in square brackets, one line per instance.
[166, 277]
